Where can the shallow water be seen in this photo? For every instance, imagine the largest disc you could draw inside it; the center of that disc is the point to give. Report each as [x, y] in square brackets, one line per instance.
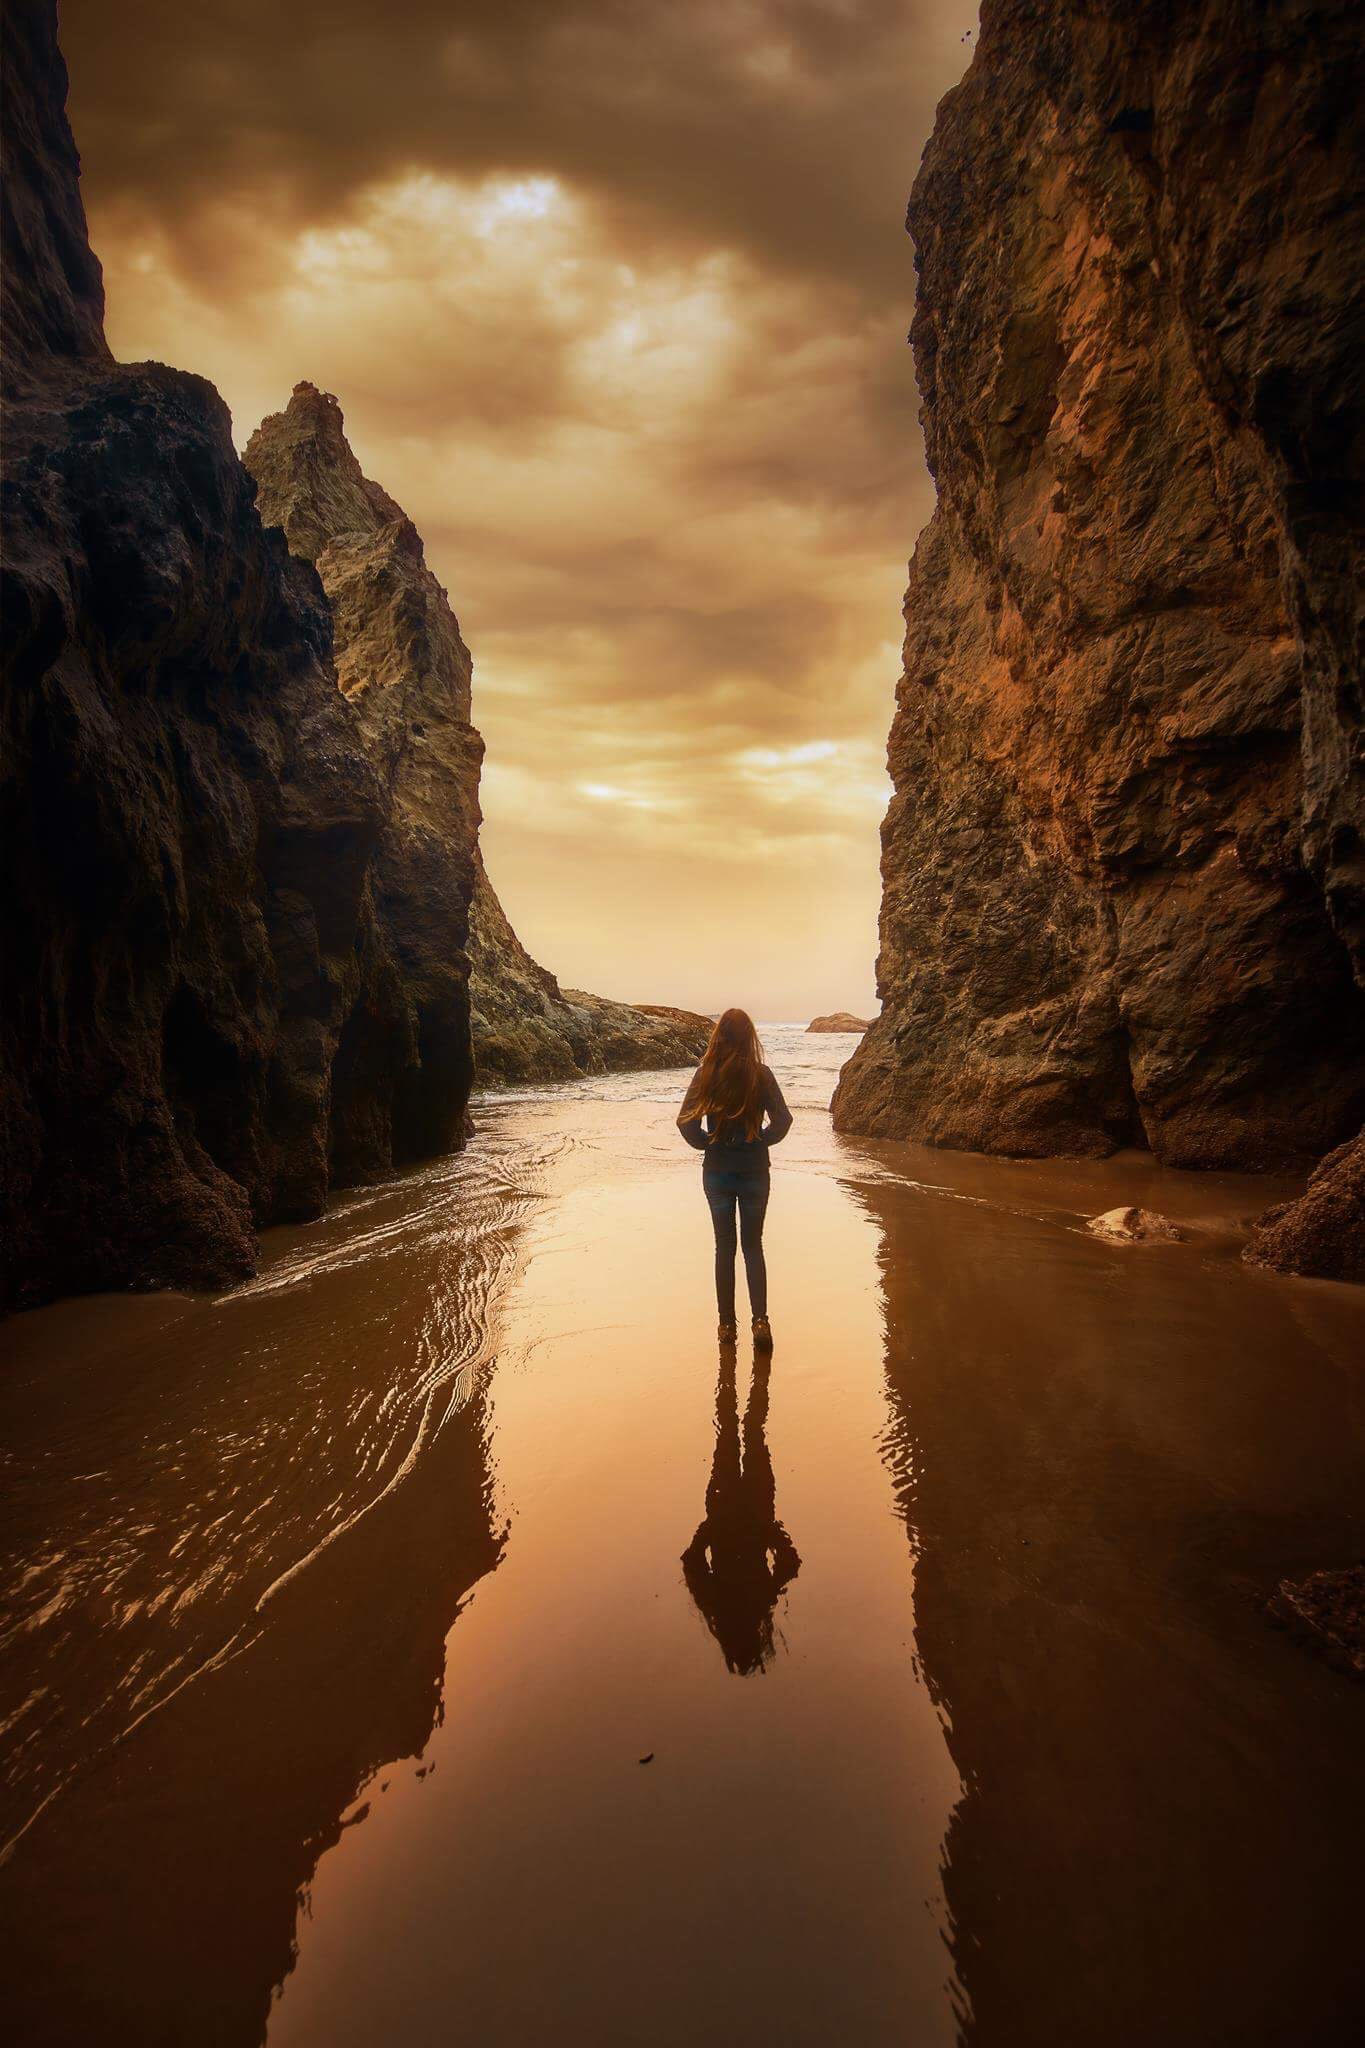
[349, 1602]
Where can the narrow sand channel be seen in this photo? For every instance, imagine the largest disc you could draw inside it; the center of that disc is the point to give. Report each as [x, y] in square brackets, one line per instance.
[349, 1603]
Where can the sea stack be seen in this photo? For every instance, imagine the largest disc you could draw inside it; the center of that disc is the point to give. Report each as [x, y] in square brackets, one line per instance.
[403, 665]
[404, 669]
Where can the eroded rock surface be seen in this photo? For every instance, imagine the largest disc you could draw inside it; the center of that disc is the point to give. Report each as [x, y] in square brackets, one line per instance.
[1323, 1233]
[188, 814]
[839, 1020]
[405, 671]
[1123, 867]
[527, 1028]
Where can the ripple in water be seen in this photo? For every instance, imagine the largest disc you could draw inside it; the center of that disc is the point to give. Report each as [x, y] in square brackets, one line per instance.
[151, 1514]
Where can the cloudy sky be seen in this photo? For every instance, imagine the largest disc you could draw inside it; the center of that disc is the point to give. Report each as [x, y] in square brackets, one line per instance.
[614, 296]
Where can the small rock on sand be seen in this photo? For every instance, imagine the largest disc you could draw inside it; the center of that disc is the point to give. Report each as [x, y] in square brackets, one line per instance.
[1327, 1612]
[1135, 1226]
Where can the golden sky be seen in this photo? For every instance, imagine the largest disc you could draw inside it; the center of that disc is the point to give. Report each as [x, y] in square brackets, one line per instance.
[614, 296]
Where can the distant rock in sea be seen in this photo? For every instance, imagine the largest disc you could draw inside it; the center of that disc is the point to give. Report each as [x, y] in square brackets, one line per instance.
[838, 1020]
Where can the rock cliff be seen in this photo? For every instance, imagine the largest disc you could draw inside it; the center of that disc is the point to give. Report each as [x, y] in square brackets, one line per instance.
[403, 665]
[209, 1005]
[1123, 866]
[527, 1028]
[405, 671]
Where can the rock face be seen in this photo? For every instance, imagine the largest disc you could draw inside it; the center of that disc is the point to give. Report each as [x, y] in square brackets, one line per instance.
[208, 1008]
[1323, 1233]
[406, 672]
[526, 1028]
[404, 667]
[1123, 867]
[839, 1020]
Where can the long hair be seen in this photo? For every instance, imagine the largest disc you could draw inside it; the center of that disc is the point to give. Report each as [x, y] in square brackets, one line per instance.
[728, 1085]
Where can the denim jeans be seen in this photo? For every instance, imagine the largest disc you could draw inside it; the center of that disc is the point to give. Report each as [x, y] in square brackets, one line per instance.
[728, 1191]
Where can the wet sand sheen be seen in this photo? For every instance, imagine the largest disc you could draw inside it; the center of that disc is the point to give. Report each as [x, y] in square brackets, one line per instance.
[968, 1757]
[578, 1889]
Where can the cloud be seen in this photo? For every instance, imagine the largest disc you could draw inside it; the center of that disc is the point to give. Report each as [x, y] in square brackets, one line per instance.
[786, 128]
[614, 299]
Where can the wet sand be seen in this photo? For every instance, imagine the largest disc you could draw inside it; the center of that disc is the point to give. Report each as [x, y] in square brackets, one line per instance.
[353, 1600]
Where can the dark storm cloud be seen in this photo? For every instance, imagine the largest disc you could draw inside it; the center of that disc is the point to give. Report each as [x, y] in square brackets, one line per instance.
[614, 299]
[788, 128]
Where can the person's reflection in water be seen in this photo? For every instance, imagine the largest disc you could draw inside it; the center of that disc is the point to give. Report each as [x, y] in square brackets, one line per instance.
[741, 1559]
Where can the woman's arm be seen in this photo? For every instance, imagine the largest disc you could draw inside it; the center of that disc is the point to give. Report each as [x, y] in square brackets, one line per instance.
[689, 1121]
[779, 1116]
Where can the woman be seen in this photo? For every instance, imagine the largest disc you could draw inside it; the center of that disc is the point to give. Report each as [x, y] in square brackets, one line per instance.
[731, 1092]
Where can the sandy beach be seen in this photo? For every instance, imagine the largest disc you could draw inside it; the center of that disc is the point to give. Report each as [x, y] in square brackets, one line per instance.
[352, 1603]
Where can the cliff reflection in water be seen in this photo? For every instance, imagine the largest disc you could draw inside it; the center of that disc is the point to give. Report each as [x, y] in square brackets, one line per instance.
[741, 1560]
[154, 1894]
[157, 1899]
[1104, 1460]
